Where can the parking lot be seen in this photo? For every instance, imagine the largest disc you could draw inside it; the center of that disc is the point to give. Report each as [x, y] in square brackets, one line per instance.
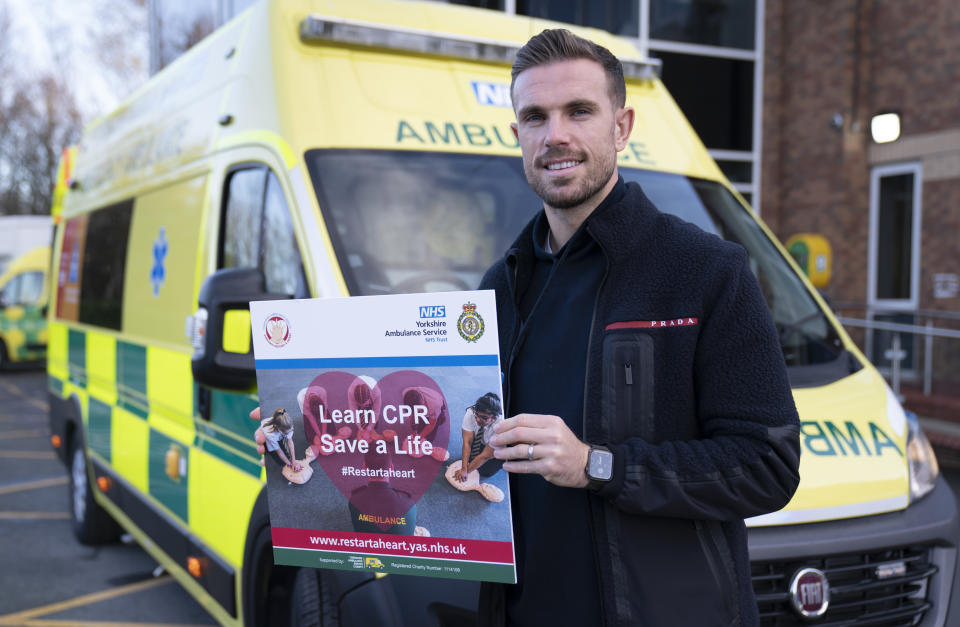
[49, 579]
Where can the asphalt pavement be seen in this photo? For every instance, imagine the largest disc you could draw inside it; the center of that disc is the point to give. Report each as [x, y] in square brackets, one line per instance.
[48, 578]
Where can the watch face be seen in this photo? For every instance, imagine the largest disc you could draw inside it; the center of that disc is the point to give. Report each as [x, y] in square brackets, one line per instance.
[601, 465]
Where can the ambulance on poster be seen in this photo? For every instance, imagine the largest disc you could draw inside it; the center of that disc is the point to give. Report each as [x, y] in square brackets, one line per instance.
[370, 405]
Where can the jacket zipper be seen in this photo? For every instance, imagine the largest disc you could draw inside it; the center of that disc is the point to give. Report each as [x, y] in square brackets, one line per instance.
[586, 377]
[505, 375]
[593, 323]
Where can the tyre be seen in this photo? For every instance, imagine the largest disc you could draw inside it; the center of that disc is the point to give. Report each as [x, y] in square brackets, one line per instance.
[3, 355]
[91, 523]
[305, 599]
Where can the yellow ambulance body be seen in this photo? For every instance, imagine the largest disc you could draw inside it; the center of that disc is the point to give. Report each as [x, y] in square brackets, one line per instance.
[316, 149]
[23, 301]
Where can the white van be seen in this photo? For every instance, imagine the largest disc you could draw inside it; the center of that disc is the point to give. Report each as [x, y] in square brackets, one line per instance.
[21, 234]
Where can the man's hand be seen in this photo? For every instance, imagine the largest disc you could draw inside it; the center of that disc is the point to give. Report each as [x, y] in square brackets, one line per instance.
[461, 475]
[557, 453]
[258, 435]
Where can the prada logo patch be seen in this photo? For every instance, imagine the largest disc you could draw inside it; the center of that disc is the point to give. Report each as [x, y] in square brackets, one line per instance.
[653, 324]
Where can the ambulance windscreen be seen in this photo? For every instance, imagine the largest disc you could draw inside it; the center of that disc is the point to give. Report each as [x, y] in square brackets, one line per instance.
[419, 222]
[406, 221]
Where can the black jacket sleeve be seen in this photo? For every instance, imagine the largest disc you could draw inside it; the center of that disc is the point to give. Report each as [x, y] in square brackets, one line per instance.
[746, 462]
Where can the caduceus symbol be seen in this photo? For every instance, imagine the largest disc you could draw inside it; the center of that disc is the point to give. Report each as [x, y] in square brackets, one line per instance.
[276, 330]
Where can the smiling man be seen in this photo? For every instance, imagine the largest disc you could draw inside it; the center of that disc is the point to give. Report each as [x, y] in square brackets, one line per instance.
[636, 449]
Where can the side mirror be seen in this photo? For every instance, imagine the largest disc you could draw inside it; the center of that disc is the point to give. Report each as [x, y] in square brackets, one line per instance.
[220, 328]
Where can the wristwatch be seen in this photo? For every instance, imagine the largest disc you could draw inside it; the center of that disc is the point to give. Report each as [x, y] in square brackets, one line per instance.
[599, 465]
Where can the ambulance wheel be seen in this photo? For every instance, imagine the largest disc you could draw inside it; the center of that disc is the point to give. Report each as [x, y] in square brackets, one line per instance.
[91, 523]
[305, 601]
[3, 355]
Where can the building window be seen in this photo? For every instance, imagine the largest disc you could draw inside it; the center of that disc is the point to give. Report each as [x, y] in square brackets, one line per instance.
[620, 17]
[894, 237]
[725, 23]
[715, 94]
[894, 260]
[736, 171]
[482, 4]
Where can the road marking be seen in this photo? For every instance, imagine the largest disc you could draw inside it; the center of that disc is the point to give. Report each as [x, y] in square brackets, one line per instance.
[96, 623]
[18, 392]
[34, 516]
[32, 485]
[21, 433]
[27, 455]
[21, 420]
[23, 617]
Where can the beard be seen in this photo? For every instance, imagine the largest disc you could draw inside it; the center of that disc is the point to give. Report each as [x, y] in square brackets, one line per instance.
[566, 193]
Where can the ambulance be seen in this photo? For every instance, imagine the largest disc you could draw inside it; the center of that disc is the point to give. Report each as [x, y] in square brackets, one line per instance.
[23, 308]
[345, 147]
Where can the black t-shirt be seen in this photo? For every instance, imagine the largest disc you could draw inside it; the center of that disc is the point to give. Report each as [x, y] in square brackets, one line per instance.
[557, 572]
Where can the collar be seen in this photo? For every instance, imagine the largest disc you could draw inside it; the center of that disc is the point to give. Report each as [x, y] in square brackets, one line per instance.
[541, 228]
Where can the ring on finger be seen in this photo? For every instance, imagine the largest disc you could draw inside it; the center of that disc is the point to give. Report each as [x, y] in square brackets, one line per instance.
[530, 452]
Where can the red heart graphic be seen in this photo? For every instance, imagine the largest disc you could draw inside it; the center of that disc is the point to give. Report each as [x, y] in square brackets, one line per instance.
[395, 433]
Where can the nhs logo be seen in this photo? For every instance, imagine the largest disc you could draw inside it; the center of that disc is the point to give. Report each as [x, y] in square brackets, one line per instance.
[492, 94]
[433, 311]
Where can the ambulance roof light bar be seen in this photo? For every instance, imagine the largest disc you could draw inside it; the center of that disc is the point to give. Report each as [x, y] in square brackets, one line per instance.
[323, 28]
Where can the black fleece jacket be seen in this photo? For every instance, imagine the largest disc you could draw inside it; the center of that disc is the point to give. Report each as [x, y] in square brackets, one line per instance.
[686, 383]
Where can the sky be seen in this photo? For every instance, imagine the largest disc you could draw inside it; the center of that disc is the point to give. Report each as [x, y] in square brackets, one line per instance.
[99, 47]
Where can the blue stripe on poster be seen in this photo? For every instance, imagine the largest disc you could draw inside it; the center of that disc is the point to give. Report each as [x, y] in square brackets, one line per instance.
[411, 361]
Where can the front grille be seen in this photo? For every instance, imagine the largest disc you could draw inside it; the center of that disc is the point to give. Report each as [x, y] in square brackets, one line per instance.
[858, 596]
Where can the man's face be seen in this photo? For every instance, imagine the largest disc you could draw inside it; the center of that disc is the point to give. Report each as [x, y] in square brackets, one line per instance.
[569, 131]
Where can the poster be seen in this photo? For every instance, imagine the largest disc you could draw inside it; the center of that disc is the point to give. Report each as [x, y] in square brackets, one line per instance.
[365, 402]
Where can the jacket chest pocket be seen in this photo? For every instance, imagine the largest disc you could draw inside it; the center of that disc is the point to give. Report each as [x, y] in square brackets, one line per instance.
[628, 385]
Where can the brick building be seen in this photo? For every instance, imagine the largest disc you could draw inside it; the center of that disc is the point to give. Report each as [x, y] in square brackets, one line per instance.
[891, 211]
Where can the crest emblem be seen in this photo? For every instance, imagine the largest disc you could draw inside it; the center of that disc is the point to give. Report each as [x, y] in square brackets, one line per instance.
[810, 592]
[470, 324]
[277, 330]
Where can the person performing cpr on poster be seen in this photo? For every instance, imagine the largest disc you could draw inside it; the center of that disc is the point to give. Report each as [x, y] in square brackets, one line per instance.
[478, 456]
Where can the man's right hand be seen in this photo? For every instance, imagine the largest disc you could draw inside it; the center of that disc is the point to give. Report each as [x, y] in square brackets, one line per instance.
[258, 434]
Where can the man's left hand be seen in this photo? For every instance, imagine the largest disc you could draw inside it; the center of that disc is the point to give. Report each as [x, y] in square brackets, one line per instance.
[558, 455]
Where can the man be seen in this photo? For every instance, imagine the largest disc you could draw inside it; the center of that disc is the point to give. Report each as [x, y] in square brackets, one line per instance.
[636, 449]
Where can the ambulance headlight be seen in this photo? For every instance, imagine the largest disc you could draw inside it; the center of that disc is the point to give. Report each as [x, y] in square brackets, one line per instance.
[924, 468]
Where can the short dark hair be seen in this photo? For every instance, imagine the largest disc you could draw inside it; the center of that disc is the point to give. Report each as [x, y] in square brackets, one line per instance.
[559, 44]
[489, 403]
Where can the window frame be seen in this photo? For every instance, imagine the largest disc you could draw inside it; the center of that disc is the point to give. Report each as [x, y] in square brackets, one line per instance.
[896, 304]
[292, 210]
[225, 199]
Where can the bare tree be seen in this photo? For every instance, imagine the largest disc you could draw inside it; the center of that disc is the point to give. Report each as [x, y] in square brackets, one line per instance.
[39, 110]
[39, 121]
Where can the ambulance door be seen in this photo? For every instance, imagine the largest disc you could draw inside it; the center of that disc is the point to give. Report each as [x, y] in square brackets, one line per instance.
[255, 231]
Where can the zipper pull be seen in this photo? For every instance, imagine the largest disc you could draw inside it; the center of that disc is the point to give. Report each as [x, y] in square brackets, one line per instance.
[628, 371]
